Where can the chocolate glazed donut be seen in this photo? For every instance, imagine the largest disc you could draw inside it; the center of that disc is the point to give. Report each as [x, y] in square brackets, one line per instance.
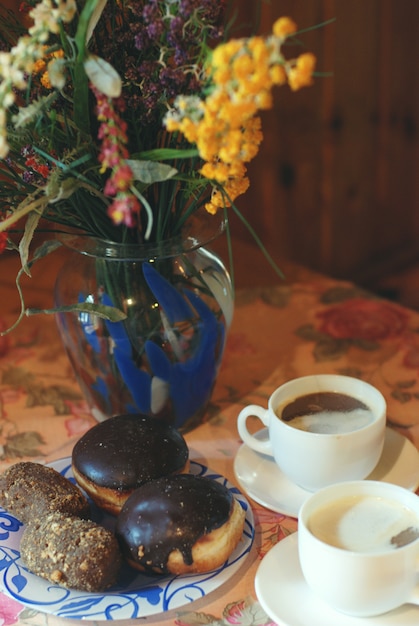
[179, 524]
[118, 455]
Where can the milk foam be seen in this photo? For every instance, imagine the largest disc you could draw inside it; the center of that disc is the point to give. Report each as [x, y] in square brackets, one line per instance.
[363, 523]
[333, 422]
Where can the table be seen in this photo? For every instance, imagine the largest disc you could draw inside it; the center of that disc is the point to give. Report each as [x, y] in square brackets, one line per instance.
[313, 324]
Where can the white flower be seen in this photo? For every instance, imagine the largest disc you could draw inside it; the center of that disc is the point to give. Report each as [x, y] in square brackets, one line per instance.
[47, 18]
[56, 73]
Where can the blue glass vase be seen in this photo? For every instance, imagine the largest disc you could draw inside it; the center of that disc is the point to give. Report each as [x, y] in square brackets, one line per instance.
[163, 358]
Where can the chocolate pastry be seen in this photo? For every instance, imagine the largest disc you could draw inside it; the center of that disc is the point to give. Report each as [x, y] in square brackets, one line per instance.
[118, 455]
[179, 524]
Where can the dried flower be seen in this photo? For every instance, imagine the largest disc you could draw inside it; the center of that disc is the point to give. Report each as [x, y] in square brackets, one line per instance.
[175, 124]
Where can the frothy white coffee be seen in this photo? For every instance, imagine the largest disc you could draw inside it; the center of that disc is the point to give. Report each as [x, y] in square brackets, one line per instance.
[326, 412]
[333, 422]
[365, 524]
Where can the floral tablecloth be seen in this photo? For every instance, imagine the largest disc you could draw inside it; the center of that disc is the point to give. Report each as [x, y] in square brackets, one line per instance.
[318, 326]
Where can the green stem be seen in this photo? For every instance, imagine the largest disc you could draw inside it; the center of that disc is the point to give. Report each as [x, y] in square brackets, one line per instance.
[81, 82]
[258, 241]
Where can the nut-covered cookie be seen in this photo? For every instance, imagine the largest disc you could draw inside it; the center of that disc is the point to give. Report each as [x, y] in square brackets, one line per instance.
[72, 552]
[30, 491]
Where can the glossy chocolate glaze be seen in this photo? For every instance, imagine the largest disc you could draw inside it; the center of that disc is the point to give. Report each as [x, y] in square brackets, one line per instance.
[127, 450]
[319, 402]
[168, 514]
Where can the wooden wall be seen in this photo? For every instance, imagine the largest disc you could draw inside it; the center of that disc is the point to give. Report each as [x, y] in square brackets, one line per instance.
[336, 183]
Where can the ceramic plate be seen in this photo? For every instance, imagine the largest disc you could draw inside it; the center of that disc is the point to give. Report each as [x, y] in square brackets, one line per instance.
[137, 595]
[284, 595]
[263, 481]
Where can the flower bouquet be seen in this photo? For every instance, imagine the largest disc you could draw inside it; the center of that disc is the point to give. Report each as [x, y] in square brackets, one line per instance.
[125, 124]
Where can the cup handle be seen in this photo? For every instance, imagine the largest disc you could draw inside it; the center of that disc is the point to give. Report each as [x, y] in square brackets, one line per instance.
[250, 440]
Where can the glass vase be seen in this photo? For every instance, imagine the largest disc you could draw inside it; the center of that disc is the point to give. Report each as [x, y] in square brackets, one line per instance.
[163, 358]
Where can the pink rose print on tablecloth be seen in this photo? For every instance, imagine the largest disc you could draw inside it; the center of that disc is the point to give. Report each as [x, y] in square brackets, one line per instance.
[364, 320]
[359, 322]
[245, 612]
[9, 611]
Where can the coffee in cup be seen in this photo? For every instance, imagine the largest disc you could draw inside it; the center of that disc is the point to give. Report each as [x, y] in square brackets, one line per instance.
[327, 412]
[358, 546]
[322, 429]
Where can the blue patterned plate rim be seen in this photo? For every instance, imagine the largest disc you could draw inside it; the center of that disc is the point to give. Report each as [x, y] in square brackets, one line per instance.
[136, 595]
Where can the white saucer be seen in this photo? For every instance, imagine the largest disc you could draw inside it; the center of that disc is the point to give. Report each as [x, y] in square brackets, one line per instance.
[262, 480]
[286, 598]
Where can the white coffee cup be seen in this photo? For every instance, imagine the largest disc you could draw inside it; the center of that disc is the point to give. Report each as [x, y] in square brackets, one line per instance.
[364, 573]
[314, 460]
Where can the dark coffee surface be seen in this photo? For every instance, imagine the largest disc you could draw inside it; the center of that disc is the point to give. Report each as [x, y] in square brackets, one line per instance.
[168, 514]
[321, 402]
[127, 450]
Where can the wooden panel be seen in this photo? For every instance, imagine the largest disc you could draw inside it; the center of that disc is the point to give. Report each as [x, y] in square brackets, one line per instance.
[336, 184]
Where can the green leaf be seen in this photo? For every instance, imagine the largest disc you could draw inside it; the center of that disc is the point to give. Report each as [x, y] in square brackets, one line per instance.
[44, 249]
[95, 17]
[110, 313]
[149, 172]
[30, 227]
[89, 16]
[168, 154]
[330, 349]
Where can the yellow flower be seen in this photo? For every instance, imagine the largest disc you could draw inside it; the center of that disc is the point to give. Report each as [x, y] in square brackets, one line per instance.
[171, 124]
[278, 75]
[264, 100]
[223, 54]
[301, 75]
[215, 171]
[222, 75]
[231, 148]
[259, 50]
[207, 142]
[243, 66]
[235, 113]
[189, 129]
[283, 27]
[243, 73]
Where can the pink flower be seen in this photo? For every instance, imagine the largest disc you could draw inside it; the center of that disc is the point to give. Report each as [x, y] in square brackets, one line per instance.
[113, 156]
[234, 612]
[245, 612]
[368, 320]
[77, 426]
[124, 210]
[9, 611]
[123, 177]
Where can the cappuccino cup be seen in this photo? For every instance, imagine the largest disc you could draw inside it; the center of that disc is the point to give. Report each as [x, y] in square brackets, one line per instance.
[322, 429]
[358, 546]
